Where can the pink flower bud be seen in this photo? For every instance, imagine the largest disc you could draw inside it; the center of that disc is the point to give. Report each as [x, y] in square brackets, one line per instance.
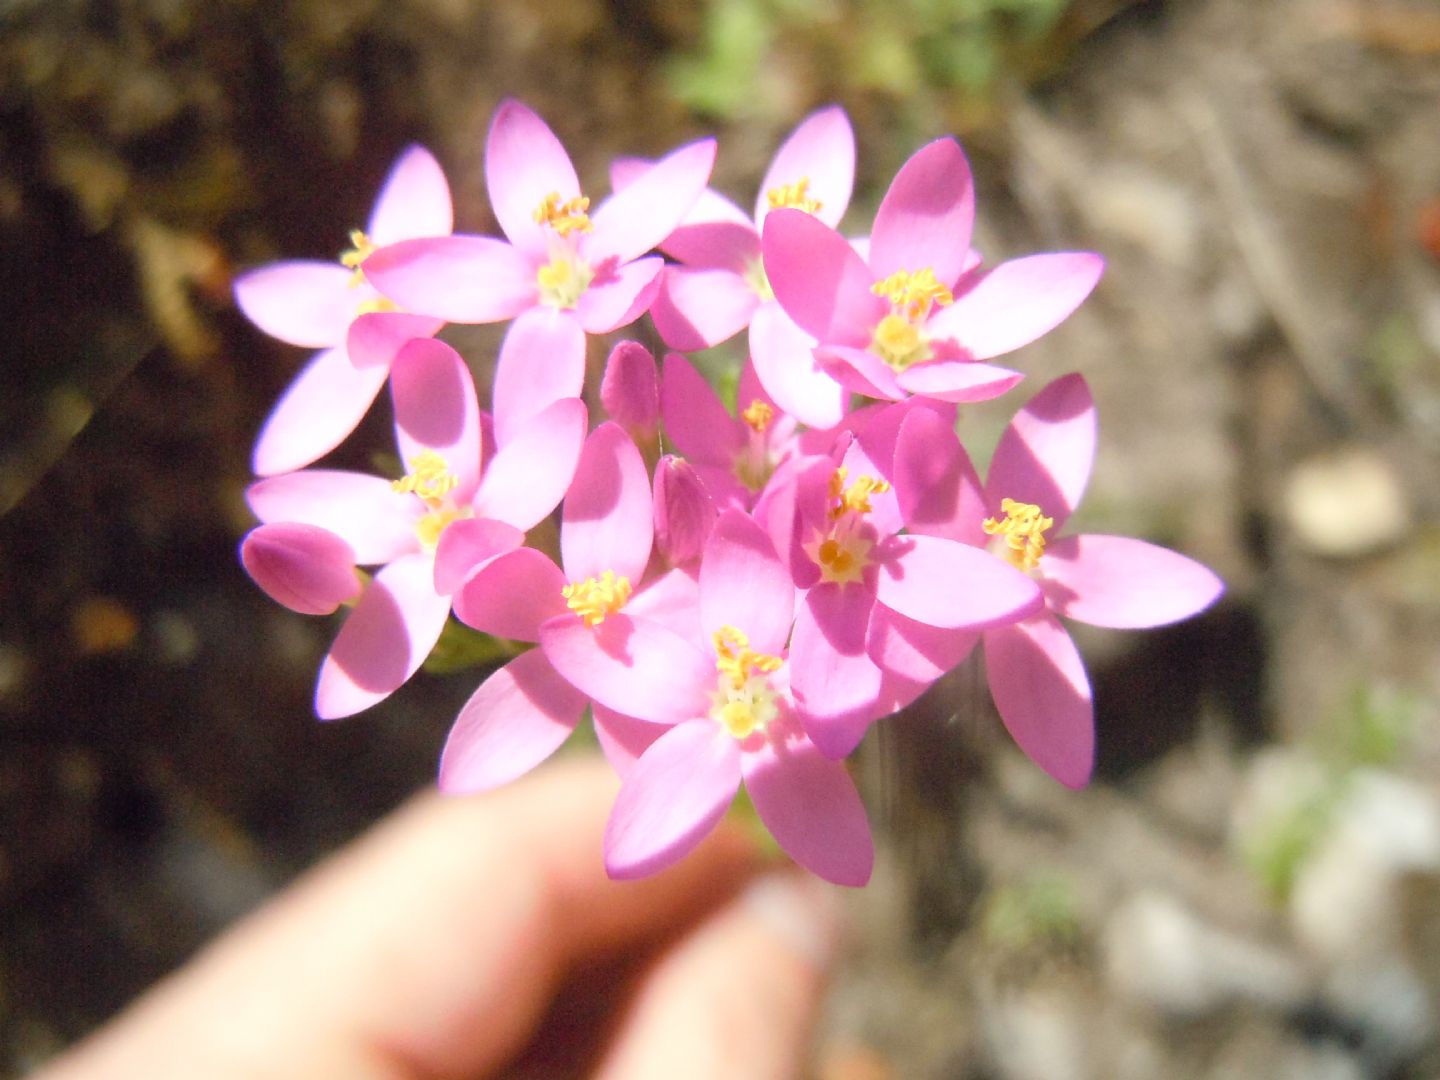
[685, 512]
[304, 567]
[630, 391]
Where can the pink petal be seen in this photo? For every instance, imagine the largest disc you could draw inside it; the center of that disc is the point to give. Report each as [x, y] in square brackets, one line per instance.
[414, 202]
[375, 337]
[952, 585]
[1017, 302]
[684, 511]
[716, 234]
[695, 421]
[914, 651]
[641, 215]
[1123, 583]
[619, 295]
[463, 279]
[524, 162]
[517, 718]
[374, 519]
[622, 738]
[467, 543]
[528, 476]
[632, 665]
[811, 807]
[835, 683]
[512, 594]
[744, 584]
[305, 303]
[385, 639]
[1039, 685]
[608, 519]
[630, 390]
[819, 280]
[672, 600]
[937, 487]
[324, 404]
[697, 308]
[821, 150]
[958, 380]
[303, 567]
[1044, 456]
[860, 372]
[542, 360]
[436, 410]
[671, 798]
[925, 219]
[784, 360]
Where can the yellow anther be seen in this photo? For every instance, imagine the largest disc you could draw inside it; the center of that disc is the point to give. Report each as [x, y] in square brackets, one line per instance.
[377, 304]
[562, 280]
[899, 343]
[595, 598]
[429, 527]
[735, 660]
[913, 294]
[794, 196]
[739, 717]
[1023, 528]
[361, 248]
[430, 478]
[757, 416]
[564, 217]
[855, 498]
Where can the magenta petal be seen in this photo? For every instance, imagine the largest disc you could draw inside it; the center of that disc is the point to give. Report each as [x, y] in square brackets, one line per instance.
[436, 410]
[820, 151]
[324, 404]
[715, 241]
[619, 295]
[622, 738]
[517, 718]
[303, 567]
[744, 584]
[414, 202]
[1039, 685]
[524, 163]
[949, 584]
[672, 600]
[671, 798]
[697, 308]
[463, 279]
[914, 651]
[467, 543]
[305, 303]
[811, 807]
[385, 639]
[630, 389]
[784, 360]
[1044, 455]
[819, 280]
[685, 512]
[958, 380]
[375, 337]
[512, 594]
[542, 359]
[1123, 583]
[935, 483]
[695, 420]
[528, 476]
[860, 372]
[632, 665]
[835, 683]
[364, 511]
[608, 519]
[1017, 302]
[641, 215]
[925, 219]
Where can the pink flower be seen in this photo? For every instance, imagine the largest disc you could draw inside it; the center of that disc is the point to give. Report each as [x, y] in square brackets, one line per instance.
[720, 287]
[563, 272]
[1036, 479]
[330, 306]
[913, 317]
[308, 569]
[427, 530]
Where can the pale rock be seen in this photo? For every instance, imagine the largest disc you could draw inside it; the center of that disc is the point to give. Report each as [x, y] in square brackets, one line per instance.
[1346, 503]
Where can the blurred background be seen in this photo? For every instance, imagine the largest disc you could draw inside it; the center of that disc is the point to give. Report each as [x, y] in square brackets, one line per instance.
[1251, 887]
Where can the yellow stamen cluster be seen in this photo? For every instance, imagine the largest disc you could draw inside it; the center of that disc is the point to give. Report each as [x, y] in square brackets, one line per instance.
[1023, 528]
[429, 527]
[562, 280]
[430, 478]
[361, 248]
[855, 498]
[744, 701]
[757, 416]
[595, 598]
[913, 294]
[794, 196]
[735, 660]
[564, 217]
[377, 304]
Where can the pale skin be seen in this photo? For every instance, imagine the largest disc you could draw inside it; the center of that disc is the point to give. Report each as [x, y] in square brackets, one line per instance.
[479, 937]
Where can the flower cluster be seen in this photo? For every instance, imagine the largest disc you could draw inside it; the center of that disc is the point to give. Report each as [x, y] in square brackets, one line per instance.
[744, 607]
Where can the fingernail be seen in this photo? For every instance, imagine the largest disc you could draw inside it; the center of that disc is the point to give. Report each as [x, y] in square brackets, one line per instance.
[802, 911]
